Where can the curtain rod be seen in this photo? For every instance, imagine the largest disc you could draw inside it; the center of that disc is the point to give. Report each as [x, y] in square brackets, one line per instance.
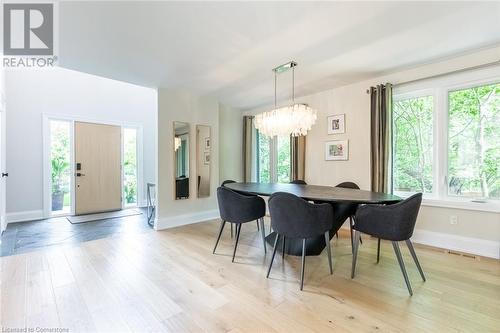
[497, 62]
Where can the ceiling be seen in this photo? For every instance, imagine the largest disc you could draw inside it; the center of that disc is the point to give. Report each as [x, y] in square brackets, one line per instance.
[227, 49]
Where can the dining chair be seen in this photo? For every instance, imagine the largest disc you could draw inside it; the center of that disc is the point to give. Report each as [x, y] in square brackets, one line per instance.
[229, 181]
[347, 210]
[390, 222]
[294, 217]
[238, 209]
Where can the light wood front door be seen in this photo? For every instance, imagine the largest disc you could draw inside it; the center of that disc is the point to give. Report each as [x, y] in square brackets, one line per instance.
[98, 168]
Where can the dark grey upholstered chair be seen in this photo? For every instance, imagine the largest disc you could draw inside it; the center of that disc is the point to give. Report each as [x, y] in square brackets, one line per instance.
[294, 217]
[391, 222]
[298, 181]
[229, 181]
[346, 210]
[238, 208]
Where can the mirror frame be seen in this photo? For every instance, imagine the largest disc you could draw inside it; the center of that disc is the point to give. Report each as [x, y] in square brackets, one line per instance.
[174, 154]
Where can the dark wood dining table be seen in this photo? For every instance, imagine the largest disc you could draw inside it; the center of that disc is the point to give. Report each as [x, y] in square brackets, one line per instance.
[316, 193]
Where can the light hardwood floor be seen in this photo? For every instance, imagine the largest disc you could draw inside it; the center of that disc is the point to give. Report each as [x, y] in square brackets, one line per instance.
[171, 281]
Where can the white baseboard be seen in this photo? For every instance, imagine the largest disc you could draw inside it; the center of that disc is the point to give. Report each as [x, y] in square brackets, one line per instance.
[28, 215]
[179, 220]
[482, 247]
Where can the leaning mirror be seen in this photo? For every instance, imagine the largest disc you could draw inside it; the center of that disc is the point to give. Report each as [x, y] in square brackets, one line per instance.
[203, 153]
[181, 160]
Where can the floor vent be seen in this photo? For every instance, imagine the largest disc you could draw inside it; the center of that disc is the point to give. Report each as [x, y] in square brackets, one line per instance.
[466, 255]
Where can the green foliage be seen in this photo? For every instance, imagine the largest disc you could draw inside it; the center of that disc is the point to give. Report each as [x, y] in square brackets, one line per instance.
[474, 142]
[263, 143]
[283, 163]
[413, 144]
[130, 166]
[60, 157]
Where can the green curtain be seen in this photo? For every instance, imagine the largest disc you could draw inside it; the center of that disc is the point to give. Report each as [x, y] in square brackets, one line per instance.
[381, 138]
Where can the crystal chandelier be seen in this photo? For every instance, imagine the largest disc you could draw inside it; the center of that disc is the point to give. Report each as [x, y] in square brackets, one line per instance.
[295, 119]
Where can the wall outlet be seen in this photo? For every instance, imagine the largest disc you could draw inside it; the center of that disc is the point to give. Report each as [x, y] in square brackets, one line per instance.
[453, 220]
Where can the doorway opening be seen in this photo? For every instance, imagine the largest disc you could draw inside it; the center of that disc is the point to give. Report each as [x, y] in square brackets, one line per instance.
[66, 179]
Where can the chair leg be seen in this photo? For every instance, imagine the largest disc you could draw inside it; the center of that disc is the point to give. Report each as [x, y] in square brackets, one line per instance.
[329, 250]
[222, 224]
[258, 228]
[355, 253]
[351, 224]
[337, 234]
[378, 250]
[352, 236]
[303, 266]
[263, 233]
[274, 253]
[395, 245]
[231, 230]
[414, 255]
[238, 229]
[283, 248]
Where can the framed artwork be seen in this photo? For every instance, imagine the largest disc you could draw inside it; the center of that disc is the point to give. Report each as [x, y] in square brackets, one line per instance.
[336, 124]
[206, 158]
[337, 150]
[207, 143]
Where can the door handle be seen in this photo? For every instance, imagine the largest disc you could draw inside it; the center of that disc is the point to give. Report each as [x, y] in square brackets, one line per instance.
[79, 174]
[5, 174]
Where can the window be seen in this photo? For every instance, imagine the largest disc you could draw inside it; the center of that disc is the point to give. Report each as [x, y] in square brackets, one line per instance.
[446, 138]
[413, 159]
[283, 160]
[273, 159]
[60, 166]
[263, 158]
[474, 142]
[130, 166]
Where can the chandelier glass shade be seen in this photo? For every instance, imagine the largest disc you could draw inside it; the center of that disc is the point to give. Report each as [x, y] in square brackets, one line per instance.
[295, 119]
[177, 143]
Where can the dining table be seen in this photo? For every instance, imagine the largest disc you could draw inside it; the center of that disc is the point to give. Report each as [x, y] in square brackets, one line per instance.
[337, 196]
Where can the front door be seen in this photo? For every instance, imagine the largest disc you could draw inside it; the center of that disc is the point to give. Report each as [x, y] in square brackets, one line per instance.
[98, 168]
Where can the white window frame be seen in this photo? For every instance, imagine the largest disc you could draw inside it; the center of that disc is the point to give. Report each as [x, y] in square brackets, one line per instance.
[273, 160]
[439, 88]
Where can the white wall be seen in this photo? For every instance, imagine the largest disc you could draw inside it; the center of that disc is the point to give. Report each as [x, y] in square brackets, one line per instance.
[59, 91]
[477, 232]
[195, 110]
[231, 141]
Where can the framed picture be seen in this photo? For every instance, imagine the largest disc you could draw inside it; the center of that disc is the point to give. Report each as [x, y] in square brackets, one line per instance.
[207, 143]
[206, 158]
[337, 150]
[336, 124]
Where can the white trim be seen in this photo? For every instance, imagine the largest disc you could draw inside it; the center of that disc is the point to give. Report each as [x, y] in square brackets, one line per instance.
[184, 219]
[28, 215]
[46, 118]
[488, 206]
[482, 247]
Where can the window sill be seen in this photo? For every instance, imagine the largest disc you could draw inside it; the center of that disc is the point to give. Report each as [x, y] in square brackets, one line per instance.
[489, 206]
[492, 206]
